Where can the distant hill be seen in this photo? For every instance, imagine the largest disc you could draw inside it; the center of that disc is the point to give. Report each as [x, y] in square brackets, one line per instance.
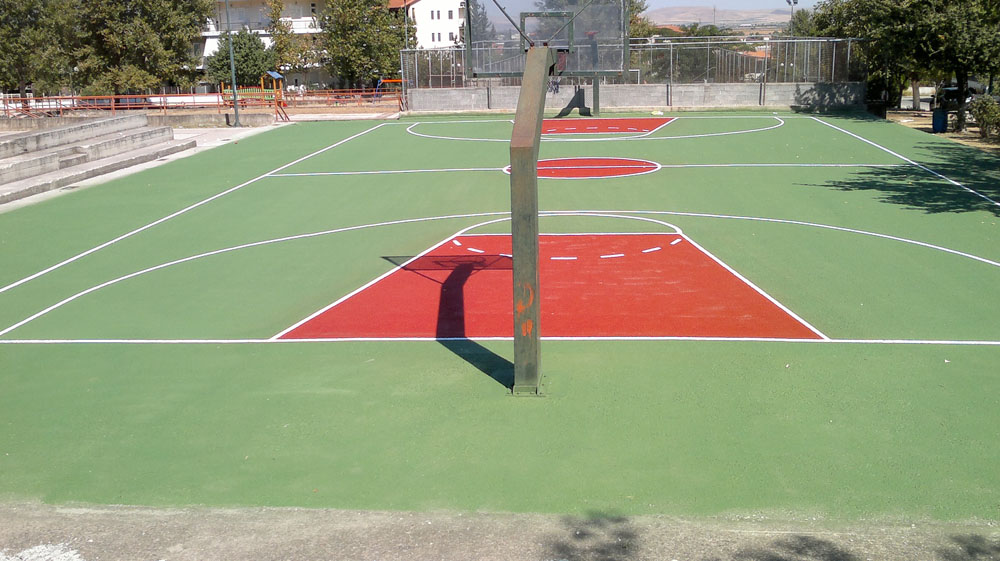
[684, 15]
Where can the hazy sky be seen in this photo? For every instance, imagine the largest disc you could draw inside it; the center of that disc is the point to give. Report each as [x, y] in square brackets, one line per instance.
[731, 4]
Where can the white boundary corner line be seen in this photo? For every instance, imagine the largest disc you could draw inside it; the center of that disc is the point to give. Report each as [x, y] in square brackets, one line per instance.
[907, 160]
[179, 212]
[759, 290]
[365, 286]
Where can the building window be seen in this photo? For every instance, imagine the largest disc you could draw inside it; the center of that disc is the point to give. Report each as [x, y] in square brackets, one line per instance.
[432, 14]
[451, 36]
[439, 14]
[461, 10]
[312, 8]
[451, 14]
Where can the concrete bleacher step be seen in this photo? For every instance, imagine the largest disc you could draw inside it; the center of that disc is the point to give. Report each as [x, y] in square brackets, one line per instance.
[72, 160]
[33, 141]
[35, 163]
[64, 177]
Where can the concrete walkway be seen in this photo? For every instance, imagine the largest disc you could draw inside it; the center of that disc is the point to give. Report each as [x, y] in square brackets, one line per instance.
[90, 533]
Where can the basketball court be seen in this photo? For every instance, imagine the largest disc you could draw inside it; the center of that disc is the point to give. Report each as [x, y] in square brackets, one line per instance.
[740, 314]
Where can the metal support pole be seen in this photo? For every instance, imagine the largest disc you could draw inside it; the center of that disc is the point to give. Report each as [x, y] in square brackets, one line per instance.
[524, 143]
[597, 95]
[232, 67]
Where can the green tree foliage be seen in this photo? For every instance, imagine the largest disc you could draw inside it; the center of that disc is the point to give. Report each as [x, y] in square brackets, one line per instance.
[638, 24]
[803, 24]
[292, 52]
[127, 46]
[908, 39]
[252, 59]
[961, 37]
[362, 40]
[482, 28]
[986, 111]
[33, 45]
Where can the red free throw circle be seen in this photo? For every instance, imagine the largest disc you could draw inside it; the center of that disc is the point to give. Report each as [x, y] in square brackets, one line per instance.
[590, 168]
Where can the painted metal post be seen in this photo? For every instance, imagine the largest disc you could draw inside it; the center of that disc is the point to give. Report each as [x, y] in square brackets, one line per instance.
[524, 143]
[232, 68]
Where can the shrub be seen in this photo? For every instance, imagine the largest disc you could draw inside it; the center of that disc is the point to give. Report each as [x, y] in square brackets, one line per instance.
[986, 111]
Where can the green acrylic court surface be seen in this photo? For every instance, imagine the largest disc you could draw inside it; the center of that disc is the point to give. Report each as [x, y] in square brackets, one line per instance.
[747, 312]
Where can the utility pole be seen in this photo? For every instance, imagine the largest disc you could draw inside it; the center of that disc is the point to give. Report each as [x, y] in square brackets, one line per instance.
[232, 67]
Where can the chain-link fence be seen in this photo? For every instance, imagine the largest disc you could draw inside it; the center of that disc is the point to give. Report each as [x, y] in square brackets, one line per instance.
[678, 60]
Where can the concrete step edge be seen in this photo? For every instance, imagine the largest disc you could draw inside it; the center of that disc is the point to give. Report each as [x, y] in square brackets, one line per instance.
[36, 140]
[59, 179]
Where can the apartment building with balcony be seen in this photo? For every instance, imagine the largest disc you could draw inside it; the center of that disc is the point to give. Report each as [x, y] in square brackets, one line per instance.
[438, 23]
[252, 15]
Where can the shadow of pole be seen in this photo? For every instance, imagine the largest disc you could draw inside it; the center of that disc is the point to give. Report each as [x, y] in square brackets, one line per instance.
[450, 330]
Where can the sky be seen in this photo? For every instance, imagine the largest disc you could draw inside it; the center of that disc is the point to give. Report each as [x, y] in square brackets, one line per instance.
[730, 4]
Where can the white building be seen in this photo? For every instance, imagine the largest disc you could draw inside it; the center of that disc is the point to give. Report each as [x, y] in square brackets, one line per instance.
[252, 15]
[438, 23]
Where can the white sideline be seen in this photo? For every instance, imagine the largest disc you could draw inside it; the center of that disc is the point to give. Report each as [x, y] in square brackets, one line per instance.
[907, 160]
[176, 214]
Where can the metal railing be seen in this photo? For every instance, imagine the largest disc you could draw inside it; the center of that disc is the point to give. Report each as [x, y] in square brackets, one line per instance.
[15, 106]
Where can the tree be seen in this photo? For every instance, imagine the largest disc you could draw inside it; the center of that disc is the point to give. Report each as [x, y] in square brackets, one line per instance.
[638, 24]
[802, 24]
[482, 28]
[292, 51]
[137, 45]
[362, 40]
[34, 45]
[961, 37]
[888, 51]
[252, 59]
[912, 38]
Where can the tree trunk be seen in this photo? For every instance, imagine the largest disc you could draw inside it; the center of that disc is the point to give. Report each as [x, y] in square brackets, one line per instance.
[915, 87]
[962, 76]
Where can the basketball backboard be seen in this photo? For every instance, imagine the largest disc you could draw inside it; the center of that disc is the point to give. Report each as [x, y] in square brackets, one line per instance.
[588, 36]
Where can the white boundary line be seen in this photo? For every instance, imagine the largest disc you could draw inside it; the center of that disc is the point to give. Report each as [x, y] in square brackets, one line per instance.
[967, 343]
[907, 160]
[226, 250]
[506, 170]
[677, 231]
[759, 290]
[584, 213]
[380, 172]
[178, 213]
[454, 236]
[802, 223]
[554, 136]
[410, 130]
[360, 289]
